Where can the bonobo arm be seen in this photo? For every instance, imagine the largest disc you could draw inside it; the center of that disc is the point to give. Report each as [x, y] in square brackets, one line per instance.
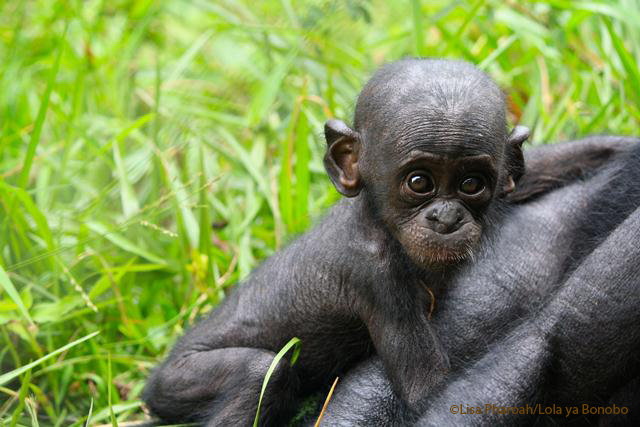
[205, 386]
[215, 372]
[552, 166]
[407, 344]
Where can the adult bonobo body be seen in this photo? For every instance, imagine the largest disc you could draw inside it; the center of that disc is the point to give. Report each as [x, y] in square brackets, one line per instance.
[424, 170]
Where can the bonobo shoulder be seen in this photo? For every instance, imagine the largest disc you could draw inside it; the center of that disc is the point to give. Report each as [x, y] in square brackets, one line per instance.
[342, 233]
[328, 251]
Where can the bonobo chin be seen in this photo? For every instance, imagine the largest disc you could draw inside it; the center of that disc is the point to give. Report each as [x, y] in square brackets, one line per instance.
[424, 169]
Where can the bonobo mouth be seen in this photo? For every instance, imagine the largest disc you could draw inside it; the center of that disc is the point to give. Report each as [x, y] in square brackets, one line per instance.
[466, 230]
[429, 249]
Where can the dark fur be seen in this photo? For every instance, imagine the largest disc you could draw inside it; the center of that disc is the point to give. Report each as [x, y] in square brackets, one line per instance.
[554, 321]
[351, 285]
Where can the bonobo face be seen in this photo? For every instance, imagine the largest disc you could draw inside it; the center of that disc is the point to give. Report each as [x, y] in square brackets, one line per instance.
[431, 185]
[434, 204]
[430, 152]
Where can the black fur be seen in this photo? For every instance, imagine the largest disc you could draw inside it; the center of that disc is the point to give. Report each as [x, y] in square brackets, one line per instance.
[356, 282]
[548, 315]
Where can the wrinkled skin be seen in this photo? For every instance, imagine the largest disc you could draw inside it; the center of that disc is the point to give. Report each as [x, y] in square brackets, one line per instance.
[548, 314]
[430, 153]
[355, 284]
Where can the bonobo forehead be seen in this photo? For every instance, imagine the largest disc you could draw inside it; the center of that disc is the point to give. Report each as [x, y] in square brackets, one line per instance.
[442, 106]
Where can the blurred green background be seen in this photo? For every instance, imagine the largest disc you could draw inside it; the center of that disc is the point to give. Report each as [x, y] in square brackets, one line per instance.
[152, 152]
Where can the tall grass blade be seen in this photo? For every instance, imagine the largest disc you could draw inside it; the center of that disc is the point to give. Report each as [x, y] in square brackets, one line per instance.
[303, 175]
[5, 378]
[293, 342]
[628, 62]
[42, 113]
[11, 290]
[417, 27]
[268, 90]
[24, 388]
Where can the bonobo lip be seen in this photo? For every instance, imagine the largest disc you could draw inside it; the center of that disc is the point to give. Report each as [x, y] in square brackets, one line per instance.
[447, 249]
[465, 229]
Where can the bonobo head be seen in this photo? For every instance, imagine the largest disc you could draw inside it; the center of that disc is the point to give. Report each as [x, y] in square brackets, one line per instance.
[429, 152]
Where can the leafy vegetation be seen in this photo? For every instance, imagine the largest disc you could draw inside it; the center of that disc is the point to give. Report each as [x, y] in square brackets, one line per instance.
[128, 128]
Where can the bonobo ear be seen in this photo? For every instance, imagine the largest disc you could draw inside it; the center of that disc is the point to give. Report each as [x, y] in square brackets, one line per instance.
[341, 159]
[514, 158]
[518, 135]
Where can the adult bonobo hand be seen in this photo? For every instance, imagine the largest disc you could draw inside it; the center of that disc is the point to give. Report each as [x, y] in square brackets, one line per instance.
[548, 315]
[424, 170]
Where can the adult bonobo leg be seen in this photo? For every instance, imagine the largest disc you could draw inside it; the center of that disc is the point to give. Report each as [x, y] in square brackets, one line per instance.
[425, 169]
[511, 278]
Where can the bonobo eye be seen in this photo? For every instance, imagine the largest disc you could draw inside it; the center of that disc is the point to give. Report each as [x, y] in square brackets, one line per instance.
[472, 185]
[420, 183]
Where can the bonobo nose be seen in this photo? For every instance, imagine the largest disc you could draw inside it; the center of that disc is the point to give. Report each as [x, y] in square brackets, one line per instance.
[444, 217]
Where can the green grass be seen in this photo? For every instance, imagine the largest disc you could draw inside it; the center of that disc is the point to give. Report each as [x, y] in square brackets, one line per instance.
[128, 127]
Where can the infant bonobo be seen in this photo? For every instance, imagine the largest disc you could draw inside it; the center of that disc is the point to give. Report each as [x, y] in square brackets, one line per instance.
[423, 170]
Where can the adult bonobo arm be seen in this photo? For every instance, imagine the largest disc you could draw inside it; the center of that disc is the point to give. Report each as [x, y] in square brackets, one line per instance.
[595, 265]
[553, 166]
